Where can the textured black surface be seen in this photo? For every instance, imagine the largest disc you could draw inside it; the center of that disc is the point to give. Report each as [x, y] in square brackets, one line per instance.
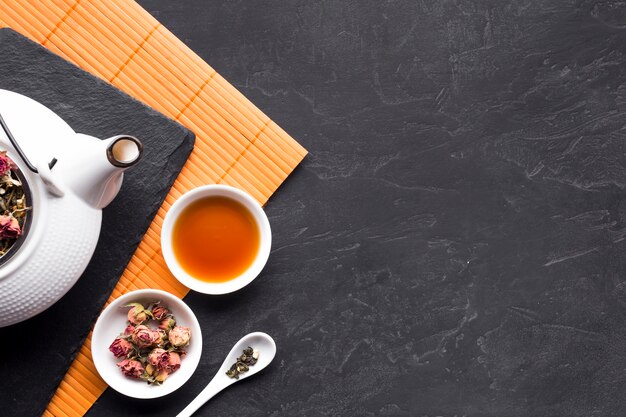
[454, 243]
[36, 353]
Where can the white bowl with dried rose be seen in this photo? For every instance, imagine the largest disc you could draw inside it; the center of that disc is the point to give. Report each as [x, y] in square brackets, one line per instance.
[146, 343]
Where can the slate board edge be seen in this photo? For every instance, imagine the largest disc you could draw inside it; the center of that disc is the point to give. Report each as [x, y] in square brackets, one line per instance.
[10, 31]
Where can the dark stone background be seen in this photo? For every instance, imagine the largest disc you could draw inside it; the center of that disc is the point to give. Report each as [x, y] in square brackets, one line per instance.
[454, 243]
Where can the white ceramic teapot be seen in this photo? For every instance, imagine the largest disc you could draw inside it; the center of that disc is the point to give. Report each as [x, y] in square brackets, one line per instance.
[68, 178]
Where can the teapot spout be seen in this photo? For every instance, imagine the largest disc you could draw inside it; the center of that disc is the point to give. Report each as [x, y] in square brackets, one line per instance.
[122, 152]
[95, 174]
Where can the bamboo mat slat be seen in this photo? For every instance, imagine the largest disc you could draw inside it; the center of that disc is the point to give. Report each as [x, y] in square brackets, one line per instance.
[236, 143]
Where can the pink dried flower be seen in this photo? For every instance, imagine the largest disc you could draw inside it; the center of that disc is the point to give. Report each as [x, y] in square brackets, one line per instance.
[144, 337]
[160, 312]
[154, 358]
[9, 227]
[131, 368]
[5, 163]
[173, 363]
[129, 330]
[121, 348]
[162, 337]
[179, 336]
[161, 359]
[138, 314]
[167, 323]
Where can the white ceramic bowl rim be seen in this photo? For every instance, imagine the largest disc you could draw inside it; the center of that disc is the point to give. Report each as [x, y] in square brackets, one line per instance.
[247, 276]
[112, 322]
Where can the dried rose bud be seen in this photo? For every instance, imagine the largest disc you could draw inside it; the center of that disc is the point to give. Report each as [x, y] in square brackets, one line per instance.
[164, 360]
[137, 314]
[151, 369]
[131, 368]
[9, 227]
[5, 163]
[129, 330]
[162, 337]
[160, 312]
[145, 337]
[120, 348]
[179, 336]
[167, 323]
[161, 376]
[154, 358]
[174, 362]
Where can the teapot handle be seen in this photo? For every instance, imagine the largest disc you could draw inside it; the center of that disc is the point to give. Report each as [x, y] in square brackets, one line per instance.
[45, 174]
[19, 150]
[48, 179]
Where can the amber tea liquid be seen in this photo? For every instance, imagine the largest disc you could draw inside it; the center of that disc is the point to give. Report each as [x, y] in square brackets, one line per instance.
[215, 239]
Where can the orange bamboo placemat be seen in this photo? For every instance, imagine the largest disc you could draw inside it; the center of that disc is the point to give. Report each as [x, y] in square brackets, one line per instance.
[236, 143]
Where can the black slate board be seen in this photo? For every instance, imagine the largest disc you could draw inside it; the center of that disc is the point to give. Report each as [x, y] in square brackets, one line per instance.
[36, 353]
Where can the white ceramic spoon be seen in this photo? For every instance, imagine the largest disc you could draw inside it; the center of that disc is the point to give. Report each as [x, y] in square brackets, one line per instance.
[258, 341]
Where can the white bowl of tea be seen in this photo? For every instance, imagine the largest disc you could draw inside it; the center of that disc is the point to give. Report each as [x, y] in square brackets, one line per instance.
[216, 239]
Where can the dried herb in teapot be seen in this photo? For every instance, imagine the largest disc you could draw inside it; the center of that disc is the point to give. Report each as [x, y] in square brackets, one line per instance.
[244, 362]
[12, 204]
